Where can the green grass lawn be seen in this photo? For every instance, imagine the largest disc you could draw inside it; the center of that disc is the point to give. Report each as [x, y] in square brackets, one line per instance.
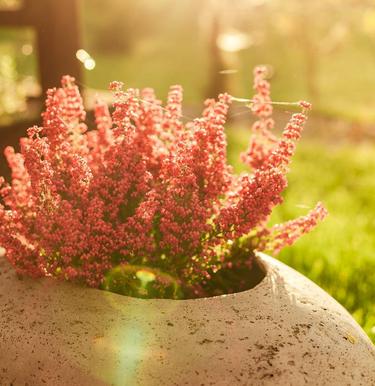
[339, 255]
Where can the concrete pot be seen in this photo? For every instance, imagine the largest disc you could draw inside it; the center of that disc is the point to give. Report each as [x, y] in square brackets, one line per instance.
[285, 331]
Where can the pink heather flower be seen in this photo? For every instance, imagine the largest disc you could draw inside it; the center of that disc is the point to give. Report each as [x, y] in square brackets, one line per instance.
[281, 235]
[262, 141]
[144, 188]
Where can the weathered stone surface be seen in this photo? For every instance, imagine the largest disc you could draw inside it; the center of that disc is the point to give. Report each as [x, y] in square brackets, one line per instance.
[285, 331]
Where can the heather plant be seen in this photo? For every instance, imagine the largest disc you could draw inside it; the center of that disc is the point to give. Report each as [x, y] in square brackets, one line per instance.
[144, 204]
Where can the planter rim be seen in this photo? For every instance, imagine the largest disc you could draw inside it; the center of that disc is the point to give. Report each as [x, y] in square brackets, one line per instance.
[259, 258]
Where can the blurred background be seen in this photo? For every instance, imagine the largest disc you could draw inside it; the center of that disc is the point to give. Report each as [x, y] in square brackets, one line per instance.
[321, 51]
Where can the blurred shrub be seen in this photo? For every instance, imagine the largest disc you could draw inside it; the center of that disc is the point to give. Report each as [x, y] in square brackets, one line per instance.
[121, 25]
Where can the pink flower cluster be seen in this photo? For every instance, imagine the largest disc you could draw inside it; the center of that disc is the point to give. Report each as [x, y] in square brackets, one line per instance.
[143, 188]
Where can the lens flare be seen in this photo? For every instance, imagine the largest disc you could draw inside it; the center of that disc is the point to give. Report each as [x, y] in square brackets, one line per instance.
[89, 64]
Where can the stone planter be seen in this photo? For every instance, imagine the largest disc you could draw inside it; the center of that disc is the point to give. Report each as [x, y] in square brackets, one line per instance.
[285, 331]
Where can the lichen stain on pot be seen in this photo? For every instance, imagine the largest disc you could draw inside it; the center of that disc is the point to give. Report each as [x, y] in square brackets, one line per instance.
[284, 331]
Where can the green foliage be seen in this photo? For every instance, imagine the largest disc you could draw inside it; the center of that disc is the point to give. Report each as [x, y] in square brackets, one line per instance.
[339, 255]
